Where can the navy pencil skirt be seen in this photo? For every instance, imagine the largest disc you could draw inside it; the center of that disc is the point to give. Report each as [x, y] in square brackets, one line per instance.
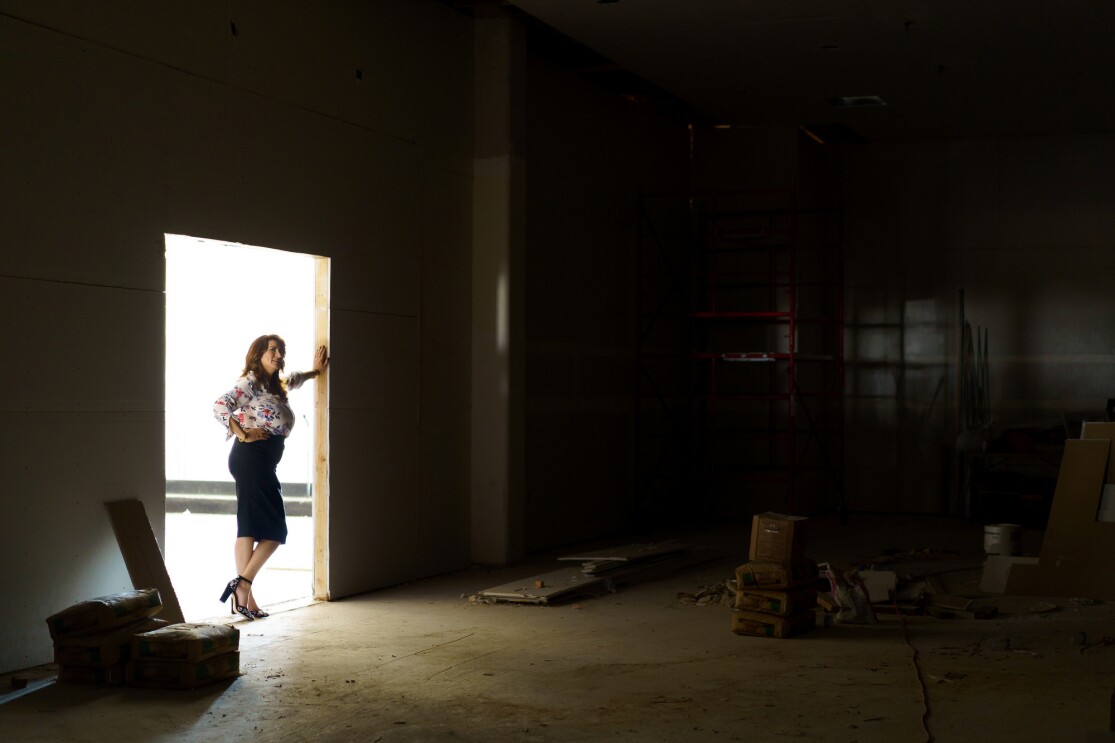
[259, 496]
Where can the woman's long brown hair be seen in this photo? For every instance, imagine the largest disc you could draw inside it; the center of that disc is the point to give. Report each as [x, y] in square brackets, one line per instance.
[253, 363]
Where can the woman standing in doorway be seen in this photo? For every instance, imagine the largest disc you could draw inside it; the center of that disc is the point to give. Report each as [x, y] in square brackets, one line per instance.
[256, 412]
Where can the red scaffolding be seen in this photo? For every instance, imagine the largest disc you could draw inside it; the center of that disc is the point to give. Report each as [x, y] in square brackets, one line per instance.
[740, 352]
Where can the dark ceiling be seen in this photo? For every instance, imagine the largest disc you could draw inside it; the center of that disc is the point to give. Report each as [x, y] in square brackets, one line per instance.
[945, 69]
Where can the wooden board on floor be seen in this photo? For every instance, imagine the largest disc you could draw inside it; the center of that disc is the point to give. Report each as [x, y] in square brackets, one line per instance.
[544, 588]
[141, 554]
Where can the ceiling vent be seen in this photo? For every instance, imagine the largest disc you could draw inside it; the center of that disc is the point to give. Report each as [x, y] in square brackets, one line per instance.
[858, 101]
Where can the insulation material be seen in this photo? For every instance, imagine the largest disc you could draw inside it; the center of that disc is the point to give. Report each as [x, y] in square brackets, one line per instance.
[163, 674]
[186, 642]
[104, 613]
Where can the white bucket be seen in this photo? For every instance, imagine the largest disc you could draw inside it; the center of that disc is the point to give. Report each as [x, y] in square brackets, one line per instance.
[1002, 539]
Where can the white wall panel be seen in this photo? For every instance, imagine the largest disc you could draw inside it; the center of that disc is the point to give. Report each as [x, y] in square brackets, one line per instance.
[84, 127]
[77, 347]
[129, 120]
[60, 468]
[373, 498]
[378, 361]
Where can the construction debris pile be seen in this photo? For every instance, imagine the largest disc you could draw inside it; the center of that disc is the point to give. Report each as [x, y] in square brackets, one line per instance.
[721, 594]
[113, 640]
[776, 589]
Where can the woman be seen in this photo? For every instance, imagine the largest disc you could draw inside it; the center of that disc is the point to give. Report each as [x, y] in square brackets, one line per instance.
[256, 412]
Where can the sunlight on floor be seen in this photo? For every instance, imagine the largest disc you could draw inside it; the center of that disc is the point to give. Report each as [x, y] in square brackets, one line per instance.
[199, 560]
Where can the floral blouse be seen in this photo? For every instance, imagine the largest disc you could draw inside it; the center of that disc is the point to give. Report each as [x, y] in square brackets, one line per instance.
[255, 407]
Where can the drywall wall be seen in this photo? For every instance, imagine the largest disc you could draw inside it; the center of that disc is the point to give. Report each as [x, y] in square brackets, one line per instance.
[498, 256]
[588, 156]
[1024, 227]
[344, 132]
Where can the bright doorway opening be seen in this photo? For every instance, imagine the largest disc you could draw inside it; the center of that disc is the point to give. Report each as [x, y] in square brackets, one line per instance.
[219, 297]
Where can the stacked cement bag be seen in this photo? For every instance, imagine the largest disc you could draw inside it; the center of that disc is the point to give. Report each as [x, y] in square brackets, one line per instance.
[776, 592]
[183, 656]
[93, 638]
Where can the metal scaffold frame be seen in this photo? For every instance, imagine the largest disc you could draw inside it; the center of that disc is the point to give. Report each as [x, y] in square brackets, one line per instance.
[739, 352]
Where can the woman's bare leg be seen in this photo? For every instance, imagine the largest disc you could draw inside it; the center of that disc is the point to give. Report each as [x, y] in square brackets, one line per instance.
[250, 559]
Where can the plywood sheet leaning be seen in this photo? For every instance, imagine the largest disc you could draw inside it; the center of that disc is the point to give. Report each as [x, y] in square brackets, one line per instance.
[141, 554]
[1078, 553]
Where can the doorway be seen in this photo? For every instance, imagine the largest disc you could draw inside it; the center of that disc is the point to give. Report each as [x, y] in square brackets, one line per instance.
[219, 297]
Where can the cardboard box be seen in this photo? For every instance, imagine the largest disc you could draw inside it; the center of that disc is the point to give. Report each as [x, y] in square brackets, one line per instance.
[776, 575]
[777, 602]
[169, 674]
[104, 613]
[759, 624]
[776, 537]
[102, 649]
[186, 642]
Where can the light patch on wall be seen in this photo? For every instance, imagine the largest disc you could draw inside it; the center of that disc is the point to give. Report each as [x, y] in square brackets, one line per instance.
[503, 329]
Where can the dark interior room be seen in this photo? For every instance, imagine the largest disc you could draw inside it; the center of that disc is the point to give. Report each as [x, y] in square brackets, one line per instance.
[705, 370]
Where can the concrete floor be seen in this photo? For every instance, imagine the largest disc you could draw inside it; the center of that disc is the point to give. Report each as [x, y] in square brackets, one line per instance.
[420, 662]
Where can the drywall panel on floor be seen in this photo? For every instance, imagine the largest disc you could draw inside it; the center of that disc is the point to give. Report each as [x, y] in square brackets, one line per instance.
[61, 467]
[373, 525]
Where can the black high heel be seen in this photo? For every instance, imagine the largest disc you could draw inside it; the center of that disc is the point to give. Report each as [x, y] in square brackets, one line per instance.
[230, 590]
